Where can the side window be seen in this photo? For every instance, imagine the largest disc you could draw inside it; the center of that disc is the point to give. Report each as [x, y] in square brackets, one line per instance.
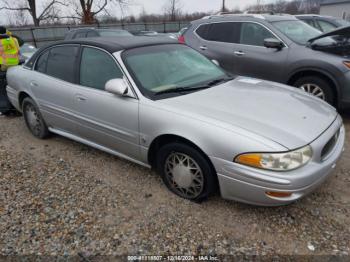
[224, 32]
[202, 31]
[80, 35]
[91, 34]
[97, 67]
[41, 63]
[254, 34]
[326, 26]
[62, 62]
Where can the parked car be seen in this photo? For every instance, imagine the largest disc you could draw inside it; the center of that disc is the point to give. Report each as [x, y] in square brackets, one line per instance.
[163, 105]
[323, 23]
[93, 32]
[146, 33]
[276, 48]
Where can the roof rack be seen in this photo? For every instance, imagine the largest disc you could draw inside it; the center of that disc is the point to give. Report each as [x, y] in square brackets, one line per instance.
[228, 14]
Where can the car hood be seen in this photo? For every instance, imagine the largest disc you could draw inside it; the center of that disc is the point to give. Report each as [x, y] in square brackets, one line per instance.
[280, 113]
[335, 42]
[343, 31]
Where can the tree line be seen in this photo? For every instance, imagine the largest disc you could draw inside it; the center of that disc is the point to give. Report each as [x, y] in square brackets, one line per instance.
[24, 12]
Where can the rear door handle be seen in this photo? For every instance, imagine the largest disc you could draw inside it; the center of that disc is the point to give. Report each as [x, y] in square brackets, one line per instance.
[239, 53]
[203, 47]
[80, 98]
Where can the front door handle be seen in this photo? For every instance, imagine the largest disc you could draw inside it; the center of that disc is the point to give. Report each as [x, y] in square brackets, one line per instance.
[80, 98]
[203, 47]
[239, 53]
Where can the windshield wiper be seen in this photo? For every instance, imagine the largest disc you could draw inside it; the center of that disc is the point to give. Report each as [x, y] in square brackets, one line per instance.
[180, 89]
[220, 80]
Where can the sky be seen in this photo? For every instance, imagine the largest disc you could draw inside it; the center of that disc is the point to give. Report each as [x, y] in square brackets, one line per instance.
[157, 6]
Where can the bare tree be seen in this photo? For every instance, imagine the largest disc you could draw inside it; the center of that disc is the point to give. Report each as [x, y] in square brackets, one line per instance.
[49, 10]
[173, 9]
[87, 10]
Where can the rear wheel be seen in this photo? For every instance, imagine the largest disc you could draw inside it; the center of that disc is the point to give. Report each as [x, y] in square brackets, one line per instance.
[33, 119]
[186, 172]
[318, 87]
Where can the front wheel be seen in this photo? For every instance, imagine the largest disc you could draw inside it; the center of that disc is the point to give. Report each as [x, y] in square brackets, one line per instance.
[186, 172]
[316, 86]
[33, 119]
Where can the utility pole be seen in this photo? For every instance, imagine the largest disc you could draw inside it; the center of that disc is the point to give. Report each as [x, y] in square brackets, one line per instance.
[223, 6]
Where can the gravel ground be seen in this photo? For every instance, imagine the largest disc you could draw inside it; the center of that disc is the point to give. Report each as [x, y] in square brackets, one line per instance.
[58, 197]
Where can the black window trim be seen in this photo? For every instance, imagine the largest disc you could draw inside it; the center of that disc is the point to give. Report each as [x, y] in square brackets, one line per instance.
[243, 21]
[48, 49]
[116, 62]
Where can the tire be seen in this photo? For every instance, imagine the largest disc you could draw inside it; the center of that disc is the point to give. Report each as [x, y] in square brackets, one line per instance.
[311, 83]
[182, 183]
[34, 119]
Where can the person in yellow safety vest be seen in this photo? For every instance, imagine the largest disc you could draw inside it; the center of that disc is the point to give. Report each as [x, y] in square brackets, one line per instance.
[9, 49]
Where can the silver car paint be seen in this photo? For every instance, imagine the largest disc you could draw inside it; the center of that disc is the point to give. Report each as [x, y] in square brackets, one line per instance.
[244, 115]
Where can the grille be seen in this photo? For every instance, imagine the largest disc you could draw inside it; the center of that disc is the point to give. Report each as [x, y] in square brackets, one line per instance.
[330, 145]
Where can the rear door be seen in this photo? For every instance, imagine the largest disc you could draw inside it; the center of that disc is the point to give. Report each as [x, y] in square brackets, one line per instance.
[218, 41]
[53, 84]
[254, 59]
[103, 118]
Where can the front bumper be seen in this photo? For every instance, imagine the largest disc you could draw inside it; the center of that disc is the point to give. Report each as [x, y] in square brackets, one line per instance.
[249, 185]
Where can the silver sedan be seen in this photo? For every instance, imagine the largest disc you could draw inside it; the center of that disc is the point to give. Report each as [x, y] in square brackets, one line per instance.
[163, 105]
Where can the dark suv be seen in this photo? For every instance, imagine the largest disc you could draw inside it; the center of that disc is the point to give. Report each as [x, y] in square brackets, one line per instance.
[277, 48]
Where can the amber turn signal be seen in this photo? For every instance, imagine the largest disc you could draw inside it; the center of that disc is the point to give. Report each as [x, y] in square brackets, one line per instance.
[347, 64]
[250, 160]
[278, 194]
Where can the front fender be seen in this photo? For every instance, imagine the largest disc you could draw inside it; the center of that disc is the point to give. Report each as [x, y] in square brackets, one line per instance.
[214, 140]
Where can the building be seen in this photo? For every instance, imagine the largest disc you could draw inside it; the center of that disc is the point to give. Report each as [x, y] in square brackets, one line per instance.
[336, 8]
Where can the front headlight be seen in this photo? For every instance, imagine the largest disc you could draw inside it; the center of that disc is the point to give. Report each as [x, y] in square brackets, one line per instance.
[277, 161]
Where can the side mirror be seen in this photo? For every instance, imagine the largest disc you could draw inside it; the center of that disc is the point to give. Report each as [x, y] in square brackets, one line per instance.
[117, 86]
[216, 62]
[273, 43]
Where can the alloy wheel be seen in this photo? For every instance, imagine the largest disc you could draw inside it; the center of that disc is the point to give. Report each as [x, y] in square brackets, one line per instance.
[314, 89]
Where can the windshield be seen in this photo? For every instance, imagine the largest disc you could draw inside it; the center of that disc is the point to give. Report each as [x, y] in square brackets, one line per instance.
[114, 33]
[297, 31]
[157, 69]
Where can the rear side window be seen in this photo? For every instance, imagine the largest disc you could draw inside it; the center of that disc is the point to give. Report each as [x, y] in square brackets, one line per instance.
[41, 63]
[202, 31]
[61, 62]
[97, 67]
[227, 32]
[254, 34]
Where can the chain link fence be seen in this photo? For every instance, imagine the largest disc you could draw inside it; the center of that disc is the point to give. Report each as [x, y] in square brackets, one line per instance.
[39, 36]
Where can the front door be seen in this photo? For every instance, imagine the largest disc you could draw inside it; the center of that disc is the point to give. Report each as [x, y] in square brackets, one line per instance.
[103, 118]
[254, 59]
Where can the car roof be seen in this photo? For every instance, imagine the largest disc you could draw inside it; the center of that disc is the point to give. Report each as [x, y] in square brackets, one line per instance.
[110, 44]
[241, 17]
[114, 44]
